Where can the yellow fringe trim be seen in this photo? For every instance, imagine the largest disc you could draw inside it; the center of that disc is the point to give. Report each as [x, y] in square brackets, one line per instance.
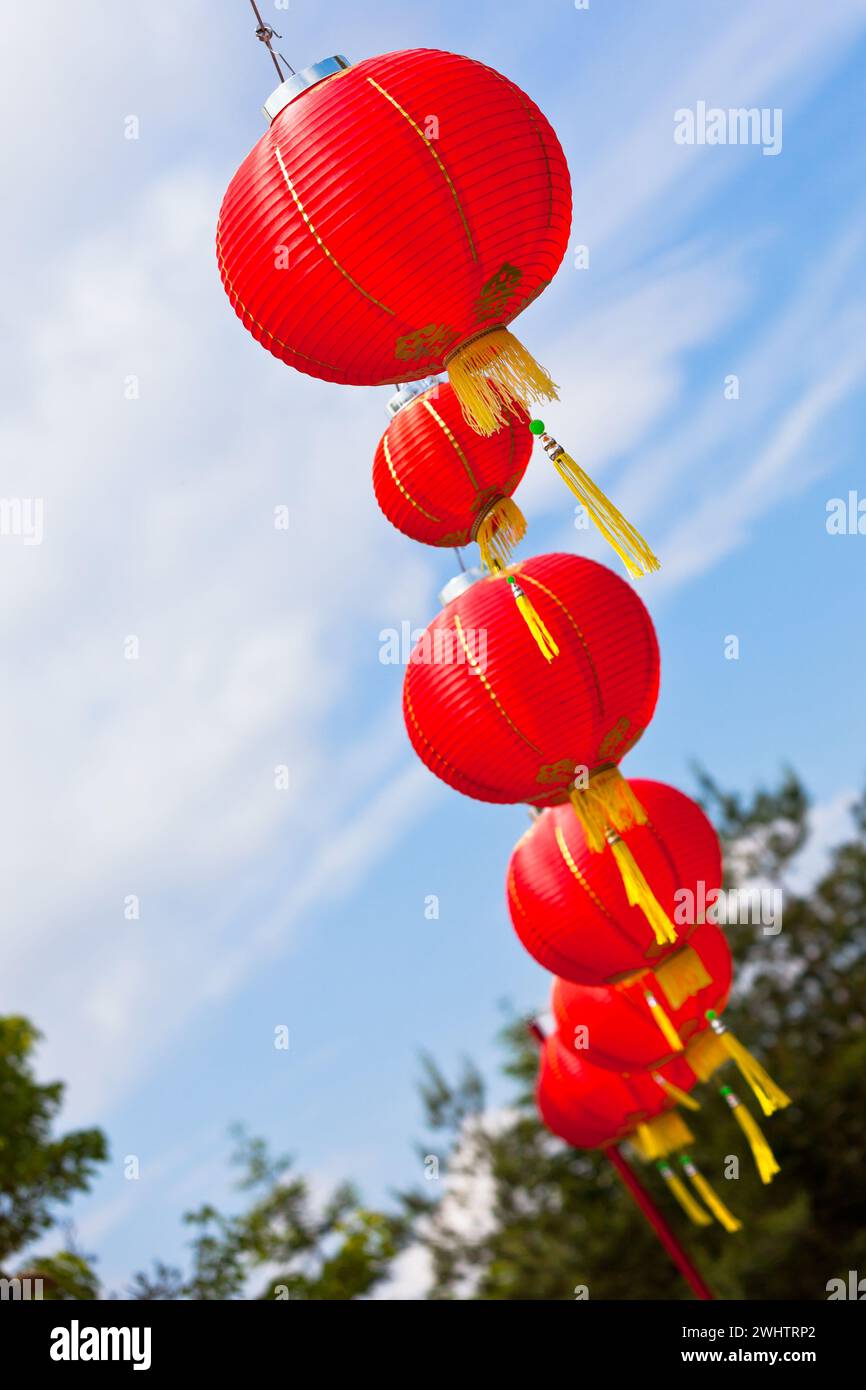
[681, 976]
[492, 373]
[690, 1205]
[676, 1092]
[659, 1137]
[769, 1096]
[628, 543]
[607, 802]
[711, 1198]
[765, 1159]
[671, 1036]
[500, 529]
[544, 641]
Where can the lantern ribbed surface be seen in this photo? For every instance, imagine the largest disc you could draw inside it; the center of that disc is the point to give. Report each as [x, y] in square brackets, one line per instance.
[621, 1031]
[391, 213]
[435, 477]
[568, 904]
[493, 719]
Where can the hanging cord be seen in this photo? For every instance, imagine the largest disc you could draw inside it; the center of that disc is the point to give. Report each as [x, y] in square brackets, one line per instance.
[265, 32]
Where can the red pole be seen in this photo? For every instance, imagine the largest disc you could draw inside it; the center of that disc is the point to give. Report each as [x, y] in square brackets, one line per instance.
[658, 1223]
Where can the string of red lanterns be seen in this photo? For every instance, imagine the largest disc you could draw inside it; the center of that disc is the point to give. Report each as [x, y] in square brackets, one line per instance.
[364, 241]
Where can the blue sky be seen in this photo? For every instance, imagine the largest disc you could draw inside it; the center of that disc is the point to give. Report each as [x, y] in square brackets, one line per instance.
[154, 777]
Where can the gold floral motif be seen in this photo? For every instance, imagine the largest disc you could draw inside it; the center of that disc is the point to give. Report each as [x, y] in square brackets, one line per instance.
[563, 771]
[614, 737]
[424, 342]
[497, 291]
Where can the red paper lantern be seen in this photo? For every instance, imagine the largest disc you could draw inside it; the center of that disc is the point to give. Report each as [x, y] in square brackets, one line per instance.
[393, 219]
[439, 481]
[588, 1106]
[493, 719]
[569, 906]
[639, 1024]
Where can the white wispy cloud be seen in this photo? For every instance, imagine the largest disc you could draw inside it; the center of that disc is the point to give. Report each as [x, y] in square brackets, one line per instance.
[155, 776]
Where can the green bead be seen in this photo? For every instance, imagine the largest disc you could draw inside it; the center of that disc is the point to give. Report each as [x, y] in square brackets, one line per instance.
[536, 427]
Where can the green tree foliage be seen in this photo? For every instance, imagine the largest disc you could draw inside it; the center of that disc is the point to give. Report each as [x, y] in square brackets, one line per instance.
[281, 1241]
[559, 1219]
[38, 1171]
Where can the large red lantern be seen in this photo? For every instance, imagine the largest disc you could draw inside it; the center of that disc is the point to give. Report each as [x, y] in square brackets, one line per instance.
[569, 906]
[493, 719]
[640, 1023]
[496, 722]
[393, 219]
[590, 1107]
[440, 482]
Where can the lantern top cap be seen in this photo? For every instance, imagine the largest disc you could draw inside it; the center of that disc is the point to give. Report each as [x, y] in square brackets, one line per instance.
[458, 585]
[300, 81]
[409, 391]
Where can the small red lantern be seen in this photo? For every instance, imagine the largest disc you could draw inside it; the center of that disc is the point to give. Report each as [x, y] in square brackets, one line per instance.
[569, 906]
[644, 1021]
[391, 222]
[440, 482]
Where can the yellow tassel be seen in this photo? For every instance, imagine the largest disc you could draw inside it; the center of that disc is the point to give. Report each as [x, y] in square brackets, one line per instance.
[671, 1036]
[765, 1159]
[690, 1205]
[681, 976]
[628, 543]
[606, 802]
[639, 893]
[705, 1054]
[491, 374]
[498, 531]
[711, 1198]
[659, 1137]
[769, 1096]
[606, 806]
[676, 1092]
[545, 642]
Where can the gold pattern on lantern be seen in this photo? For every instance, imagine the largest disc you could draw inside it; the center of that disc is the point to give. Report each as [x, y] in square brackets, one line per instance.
[435, 153]
[496, 292]
[430, 341]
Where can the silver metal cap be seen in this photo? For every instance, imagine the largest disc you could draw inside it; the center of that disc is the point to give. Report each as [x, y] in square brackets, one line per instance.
[408, 391]
[458, 585]
[299, 82]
